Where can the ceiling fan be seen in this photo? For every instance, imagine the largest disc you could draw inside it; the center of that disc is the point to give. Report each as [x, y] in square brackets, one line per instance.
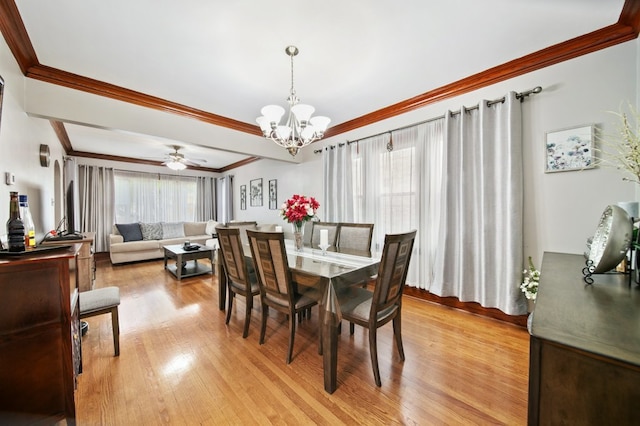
[177, 161]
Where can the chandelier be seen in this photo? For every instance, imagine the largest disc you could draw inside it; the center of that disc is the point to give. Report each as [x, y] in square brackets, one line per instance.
[300, 129]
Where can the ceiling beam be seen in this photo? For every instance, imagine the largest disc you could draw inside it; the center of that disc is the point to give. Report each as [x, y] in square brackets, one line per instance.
[89, 85]
[135, 160]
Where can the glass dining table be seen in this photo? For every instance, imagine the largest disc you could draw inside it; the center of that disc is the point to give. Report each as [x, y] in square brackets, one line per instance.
[326, 274]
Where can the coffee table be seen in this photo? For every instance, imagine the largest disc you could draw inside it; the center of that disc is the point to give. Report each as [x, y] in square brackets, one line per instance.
[182, 268]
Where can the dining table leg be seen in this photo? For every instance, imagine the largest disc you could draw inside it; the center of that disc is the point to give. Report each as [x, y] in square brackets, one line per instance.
[331, 318]
[330, 356]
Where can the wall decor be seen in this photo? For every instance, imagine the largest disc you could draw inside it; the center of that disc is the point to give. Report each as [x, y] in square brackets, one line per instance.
[255, 192]
[570, 149]
[45, 155]
[273, 194]
[243, 197]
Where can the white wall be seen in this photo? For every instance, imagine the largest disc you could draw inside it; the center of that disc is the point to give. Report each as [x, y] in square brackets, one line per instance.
[20, 139]
[561, 209]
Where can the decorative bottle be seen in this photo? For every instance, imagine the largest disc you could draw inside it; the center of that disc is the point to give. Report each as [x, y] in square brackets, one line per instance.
[15, 226]
[29, 226]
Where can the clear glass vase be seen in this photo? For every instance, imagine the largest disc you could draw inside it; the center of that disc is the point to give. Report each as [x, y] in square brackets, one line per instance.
[298, 235]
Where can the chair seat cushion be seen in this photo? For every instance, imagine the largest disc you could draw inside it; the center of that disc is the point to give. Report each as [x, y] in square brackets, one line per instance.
[356, 304]
[255, 289]
[300, 301]
[99, 299]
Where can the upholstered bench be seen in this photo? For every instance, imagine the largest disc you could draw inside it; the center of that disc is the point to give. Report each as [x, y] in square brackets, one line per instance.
[103, 301]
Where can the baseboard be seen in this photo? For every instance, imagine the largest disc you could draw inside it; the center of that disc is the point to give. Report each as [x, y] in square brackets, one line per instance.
[473, 307]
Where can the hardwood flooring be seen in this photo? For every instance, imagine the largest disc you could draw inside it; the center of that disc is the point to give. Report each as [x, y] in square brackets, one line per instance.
[179, 364]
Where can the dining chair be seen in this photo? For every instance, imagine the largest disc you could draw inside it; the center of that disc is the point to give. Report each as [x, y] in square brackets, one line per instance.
[243, 226]
[332, 229]
[373, 309]
[355, 236]
[277, 288]
[241, 279]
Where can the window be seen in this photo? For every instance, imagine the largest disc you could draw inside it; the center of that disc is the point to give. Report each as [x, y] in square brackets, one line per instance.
[385, 190]
[150, 197]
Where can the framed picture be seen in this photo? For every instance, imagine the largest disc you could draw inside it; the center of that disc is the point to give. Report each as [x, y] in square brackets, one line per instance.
[255, 192]
[570, 149]
[243, 197]
[273, 194]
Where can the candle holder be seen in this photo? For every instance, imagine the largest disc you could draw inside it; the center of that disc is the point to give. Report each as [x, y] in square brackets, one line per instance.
[324, 248]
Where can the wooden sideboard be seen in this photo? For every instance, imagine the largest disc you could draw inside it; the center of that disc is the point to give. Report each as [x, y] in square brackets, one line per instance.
[584, 366]
[39, 337]
[85, 264]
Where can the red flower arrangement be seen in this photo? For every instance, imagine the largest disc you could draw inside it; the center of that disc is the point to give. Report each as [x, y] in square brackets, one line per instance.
[298, 209]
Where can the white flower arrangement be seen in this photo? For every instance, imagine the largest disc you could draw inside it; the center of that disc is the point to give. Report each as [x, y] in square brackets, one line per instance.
[530, 280]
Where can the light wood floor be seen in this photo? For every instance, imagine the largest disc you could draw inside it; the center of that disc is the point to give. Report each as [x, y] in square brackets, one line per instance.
[181, 365]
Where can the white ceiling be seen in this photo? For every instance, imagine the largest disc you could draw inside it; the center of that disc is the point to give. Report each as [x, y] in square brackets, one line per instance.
[228, 58]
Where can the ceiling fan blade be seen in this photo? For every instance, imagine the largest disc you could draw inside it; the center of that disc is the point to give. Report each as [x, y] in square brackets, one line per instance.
[193, 162]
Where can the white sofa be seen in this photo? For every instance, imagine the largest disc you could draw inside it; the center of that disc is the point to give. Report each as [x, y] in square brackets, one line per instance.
[150, 245]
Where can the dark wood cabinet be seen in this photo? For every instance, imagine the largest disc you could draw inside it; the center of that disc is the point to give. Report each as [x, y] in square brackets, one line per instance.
[585, 347]
[39, 337]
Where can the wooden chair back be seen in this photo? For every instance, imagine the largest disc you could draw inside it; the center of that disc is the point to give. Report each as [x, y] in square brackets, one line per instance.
[355, 236]
[233, 255]
[392, 273]
[332, 227]
[243, 226]
[272, 268]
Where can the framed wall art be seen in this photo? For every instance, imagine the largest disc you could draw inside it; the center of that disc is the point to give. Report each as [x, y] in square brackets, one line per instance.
[273, 194]
[570, 149]
[255, 192]
[243, 197]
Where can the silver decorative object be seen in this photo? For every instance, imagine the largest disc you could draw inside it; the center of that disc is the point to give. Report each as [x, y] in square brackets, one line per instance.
[610, 242]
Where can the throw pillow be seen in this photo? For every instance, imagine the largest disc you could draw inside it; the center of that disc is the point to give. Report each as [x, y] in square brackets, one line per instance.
[172, 230]
[130, 231]
[211, 227]
[151, 231]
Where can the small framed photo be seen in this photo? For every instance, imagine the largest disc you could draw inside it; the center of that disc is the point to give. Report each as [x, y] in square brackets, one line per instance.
[570, 149]
[243, 197]
[255, 192]
[273, 194]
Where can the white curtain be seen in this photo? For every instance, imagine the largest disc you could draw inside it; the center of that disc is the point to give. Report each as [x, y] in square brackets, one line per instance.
[224, 199]
[458, 181]
[480, 253]
[206, 202]
[97, 202]
[179, 198]
[397, 186]
[151, 197]
[338, 184]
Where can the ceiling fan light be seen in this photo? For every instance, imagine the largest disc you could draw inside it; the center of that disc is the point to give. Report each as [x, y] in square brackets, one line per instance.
[320, 123]
[302, 112]
[273, 113]
[176, 165]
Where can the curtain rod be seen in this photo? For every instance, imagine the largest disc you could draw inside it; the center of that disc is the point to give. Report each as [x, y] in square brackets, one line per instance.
[520, 96]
